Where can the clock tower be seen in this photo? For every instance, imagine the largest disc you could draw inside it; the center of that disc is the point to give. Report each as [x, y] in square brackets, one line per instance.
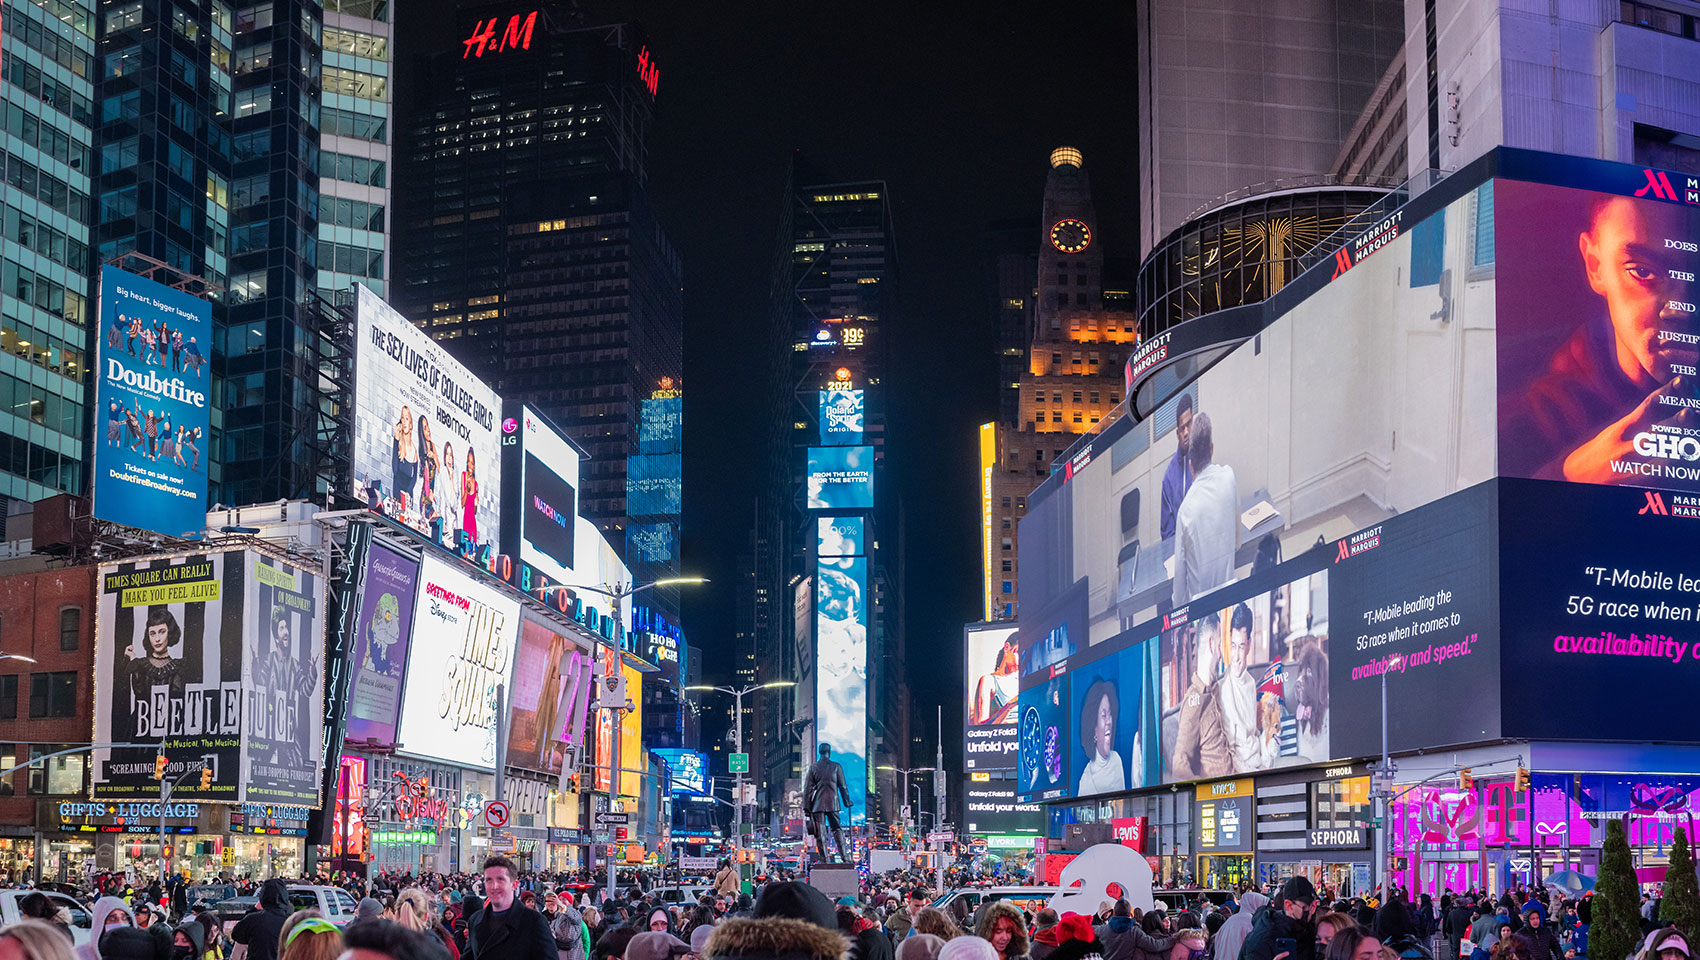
[1071, 260]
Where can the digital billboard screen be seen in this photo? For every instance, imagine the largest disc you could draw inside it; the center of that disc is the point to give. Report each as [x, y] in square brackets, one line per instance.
[993, 687]
[427, 442]
[464, 634]
[216, 659]
[1599, 341]
[839, 537]
[153, 389]
[841, 417]
[689, 769]
[1178, 558]
[841, 478]
[380, 646]
[544, 479]
[841, 671]
[991, 809]
[549, 670]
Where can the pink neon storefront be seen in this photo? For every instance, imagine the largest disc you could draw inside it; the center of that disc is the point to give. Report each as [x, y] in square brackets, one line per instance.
[1442, 838]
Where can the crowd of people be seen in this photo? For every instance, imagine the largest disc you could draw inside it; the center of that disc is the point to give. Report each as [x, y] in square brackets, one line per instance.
[504, 914]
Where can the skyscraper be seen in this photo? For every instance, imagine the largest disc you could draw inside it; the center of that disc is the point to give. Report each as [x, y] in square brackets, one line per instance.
[530, 248]
[49, 109]
[1070, 381]
[835, 574]
[208, 132]
[354, 155]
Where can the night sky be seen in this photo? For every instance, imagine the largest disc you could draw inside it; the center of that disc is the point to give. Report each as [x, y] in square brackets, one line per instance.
[956, 107]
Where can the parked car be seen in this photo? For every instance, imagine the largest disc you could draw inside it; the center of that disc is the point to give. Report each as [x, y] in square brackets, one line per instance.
[1180, 898]
[81, 919]
[336, 904]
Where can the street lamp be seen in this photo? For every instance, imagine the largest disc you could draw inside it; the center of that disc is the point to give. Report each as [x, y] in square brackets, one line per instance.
[1383, 791]
[17, 656]
[738, 778]
[907, 772]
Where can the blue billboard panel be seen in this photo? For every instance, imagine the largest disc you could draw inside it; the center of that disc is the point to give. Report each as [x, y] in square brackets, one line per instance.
[653, 484]
[153, 390]
[841, 677]
[840, 417]
[659, 426]
[649, 543]
[839, 537]
[689, 769]
[841, 478]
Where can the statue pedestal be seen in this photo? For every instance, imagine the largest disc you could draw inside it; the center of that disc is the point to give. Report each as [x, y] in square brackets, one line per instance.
[836, 880]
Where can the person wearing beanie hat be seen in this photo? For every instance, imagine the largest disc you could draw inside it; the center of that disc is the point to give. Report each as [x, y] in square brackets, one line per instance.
[699, 938]
[1288, 918]
[1077, 939]
[656, 945]
[791, 921]
[368, 909]
[921, 946]
[968, 948]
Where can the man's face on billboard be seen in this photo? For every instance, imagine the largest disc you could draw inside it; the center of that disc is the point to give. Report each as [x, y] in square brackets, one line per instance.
[1239, 641]
[1208, 655]
[1183, 430]
[1629, 265]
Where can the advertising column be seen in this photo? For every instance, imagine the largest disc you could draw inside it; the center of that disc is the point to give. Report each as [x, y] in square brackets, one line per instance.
[1224, 827]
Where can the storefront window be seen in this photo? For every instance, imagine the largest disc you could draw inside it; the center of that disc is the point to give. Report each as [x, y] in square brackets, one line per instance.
[17, 854]
[62, 859]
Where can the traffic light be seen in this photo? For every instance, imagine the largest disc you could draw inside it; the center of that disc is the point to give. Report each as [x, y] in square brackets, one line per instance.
[1522, 780]
[1466, 783]
[159, 767]
[573, 783]
[206, 779]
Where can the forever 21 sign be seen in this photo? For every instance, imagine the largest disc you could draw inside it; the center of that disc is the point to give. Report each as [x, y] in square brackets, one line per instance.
[1337, 838]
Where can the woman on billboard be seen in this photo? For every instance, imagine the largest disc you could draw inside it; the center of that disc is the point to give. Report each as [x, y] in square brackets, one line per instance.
[404, 458]
[995, 692]
[469, 497]
[427, 477]
[155, 668]
[1104, 772]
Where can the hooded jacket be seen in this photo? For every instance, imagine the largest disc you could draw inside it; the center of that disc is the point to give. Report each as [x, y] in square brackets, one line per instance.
[1123, 939]
[1543, 941]
[197, 935]
[1271, 924]
[102, 909]
[1234, 930]
[987, 922]
[260, 929]
[775, 938]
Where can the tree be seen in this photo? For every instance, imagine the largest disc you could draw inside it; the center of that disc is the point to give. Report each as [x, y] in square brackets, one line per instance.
[1616, 930]
[1682, 888]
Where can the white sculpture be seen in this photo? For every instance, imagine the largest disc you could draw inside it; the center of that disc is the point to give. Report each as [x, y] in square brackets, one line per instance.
[1087, 879]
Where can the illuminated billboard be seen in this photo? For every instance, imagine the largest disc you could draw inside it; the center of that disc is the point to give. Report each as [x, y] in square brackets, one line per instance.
[841, 670]
[993, 686]
[153, 389]
[841, 416]
[546, 702]
[427, 441]
[464, 634]
[216, 661]
[540, 507]
[382, 628]
[1599, 372]
[839, 537]
[988, 461]
[1177, 610]
[841, 478]
[991, 809]
[689, 769]
[630, 760]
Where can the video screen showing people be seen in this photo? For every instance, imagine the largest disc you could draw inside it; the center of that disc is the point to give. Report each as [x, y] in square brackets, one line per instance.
[1599, 338]
[1245, 685]
[1114, 707]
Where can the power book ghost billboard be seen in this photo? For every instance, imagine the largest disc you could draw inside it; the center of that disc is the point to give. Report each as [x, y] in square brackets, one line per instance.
[152, 394]
[427, 441]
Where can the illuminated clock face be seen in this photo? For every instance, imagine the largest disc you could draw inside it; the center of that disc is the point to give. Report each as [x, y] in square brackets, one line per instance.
[1071, 236]
[1032, 746]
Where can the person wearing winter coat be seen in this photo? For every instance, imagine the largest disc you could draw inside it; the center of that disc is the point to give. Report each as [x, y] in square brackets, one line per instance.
[1001, 923]
[260, 928]
[1456, 926]
[791, 921]
[1125, 939]
[1045, 934]
[1287, 918]
[1236, 928]
[1394, 929]
[1543, 941]
[109, 912]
